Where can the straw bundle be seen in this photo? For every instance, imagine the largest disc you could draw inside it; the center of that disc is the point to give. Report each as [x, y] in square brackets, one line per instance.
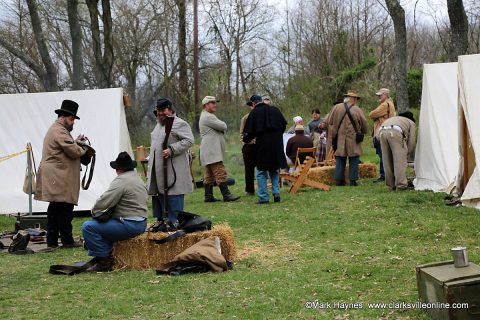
[325, 174]
[142, 253]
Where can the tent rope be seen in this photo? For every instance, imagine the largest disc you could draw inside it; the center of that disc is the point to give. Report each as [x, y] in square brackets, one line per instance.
[29, 148]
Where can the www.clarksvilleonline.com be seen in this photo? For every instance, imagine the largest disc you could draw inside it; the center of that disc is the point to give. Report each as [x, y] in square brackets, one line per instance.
[315, 304]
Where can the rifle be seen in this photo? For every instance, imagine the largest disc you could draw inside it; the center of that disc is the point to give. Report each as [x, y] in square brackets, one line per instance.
[168, 129]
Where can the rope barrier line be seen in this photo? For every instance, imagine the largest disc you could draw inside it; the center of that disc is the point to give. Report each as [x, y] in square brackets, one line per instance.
[29, 148]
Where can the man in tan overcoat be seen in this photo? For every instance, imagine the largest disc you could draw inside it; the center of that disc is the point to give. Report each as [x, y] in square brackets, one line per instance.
[339, 125]
[212, 150]
[385, 110]
[58, 177]
[179, 178]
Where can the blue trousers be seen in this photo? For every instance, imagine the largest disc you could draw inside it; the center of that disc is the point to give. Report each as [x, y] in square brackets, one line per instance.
[262, 177]
[341, 162]
[378, 150]
[99, 237]
[175, 204]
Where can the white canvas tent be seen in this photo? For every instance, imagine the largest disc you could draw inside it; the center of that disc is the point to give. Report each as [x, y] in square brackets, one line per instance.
[27, 117]
[469, 104]
[436, 154]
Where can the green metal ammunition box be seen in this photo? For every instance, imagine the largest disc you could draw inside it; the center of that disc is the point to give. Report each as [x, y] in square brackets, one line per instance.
[441, 284]
[33, 221]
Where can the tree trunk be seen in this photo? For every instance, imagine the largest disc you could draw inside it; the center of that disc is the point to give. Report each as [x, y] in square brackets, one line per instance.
[182, 50]
[458, 29]
[103, 62]
[77, 48]
[398, 16]
[49, 78]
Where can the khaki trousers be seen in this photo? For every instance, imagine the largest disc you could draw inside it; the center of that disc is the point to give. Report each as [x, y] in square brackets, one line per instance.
[215, 172]
[394, 154]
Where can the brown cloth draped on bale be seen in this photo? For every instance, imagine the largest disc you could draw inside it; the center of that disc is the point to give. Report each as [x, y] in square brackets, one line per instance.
[205, 251]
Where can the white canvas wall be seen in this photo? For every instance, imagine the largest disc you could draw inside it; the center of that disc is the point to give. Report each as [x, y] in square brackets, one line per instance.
[27, 117]
[436, 155]
[469, 97]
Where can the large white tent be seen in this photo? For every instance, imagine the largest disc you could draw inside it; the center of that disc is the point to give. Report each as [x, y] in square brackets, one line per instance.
[27, 117]
[436, 155]
[469, 104]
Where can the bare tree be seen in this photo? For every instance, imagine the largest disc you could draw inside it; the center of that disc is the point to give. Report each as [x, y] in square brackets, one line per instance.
[103, 61]
[182, 54]
[77, 46]
[236, 26]
[398, 16]
[44, 70]
[458, 29]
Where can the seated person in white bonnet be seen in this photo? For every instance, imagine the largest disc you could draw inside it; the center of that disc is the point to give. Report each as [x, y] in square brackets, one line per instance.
[298, 121]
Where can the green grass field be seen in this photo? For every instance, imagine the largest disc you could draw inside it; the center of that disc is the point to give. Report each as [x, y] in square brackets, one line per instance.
[349, 245]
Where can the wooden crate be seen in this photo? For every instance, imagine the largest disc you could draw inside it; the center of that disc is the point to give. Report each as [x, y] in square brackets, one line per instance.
[441, 283]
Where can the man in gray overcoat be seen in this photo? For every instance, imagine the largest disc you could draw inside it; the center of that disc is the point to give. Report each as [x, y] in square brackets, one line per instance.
[212, 149]
[179, 178]
[340, 125]
[58, 177]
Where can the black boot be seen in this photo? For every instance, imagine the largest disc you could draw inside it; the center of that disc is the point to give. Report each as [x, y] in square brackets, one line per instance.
[209, 193]
[227, 196]
[103, 264]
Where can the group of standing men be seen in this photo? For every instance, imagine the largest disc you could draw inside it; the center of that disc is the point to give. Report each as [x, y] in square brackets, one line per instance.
[393, 138]
[58, 178]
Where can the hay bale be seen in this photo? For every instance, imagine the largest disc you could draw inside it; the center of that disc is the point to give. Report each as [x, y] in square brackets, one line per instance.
[325, 174]
[141, 253]
[367, 170]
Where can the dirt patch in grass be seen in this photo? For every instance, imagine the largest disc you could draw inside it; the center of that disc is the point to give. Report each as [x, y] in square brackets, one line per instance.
[279, 248]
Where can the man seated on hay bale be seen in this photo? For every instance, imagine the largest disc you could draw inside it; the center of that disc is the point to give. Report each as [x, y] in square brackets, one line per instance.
[119, 214]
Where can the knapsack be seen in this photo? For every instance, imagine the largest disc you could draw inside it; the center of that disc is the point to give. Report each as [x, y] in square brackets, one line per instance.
[187, 223]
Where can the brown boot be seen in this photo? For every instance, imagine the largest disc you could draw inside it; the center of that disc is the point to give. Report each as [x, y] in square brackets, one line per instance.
[103, 264]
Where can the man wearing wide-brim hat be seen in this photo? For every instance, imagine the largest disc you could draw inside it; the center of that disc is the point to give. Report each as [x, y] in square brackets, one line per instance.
[344, 131]
[58, 177]
[120, 213]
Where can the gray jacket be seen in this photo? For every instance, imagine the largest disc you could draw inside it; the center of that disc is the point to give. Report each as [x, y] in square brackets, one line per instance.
[127, 196]
[212, 130]
[179, 141]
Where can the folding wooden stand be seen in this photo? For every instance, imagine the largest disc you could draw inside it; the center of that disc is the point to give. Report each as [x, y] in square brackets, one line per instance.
[299, 178]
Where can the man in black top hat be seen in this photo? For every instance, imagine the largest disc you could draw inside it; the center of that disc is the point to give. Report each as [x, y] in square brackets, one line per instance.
[58, 177]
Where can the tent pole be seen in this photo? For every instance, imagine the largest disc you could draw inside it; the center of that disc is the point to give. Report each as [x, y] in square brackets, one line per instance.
[466, 173]
[29, 168]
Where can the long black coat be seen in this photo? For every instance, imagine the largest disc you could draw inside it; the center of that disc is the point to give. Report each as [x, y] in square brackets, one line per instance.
[266, 124]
